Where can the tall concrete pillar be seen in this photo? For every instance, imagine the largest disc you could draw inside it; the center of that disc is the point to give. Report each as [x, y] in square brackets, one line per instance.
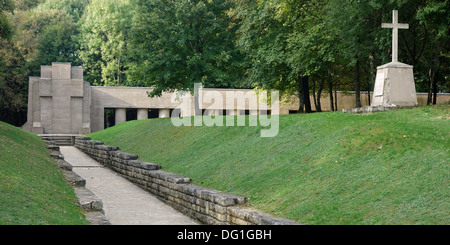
[164, 113]
[142, 114]
[121, 115]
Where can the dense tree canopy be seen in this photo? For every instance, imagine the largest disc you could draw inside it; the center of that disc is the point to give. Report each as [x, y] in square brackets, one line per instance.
[182, 42]
[300, 47]
[103, 39]
[5, 26]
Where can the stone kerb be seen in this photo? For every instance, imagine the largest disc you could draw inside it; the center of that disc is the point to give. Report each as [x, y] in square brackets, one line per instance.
[207, 205]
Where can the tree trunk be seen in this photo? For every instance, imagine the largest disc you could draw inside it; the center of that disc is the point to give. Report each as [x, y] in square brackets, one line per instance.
[431, 87]
[301, 103]
[314, 94]
[305, 90]
[357, 84]
[319, 92]
[434, 92]
[335, 100]
[330, 90]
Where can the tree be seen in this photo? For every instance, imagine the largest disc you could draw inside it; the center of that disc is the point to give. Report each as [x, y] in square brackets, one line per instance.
[103, 38]
[434, 16]
[74, 8]
[287, 45]
[5, 26]
[178, 43]
[53, 38]
[357, 26]
[41, 36]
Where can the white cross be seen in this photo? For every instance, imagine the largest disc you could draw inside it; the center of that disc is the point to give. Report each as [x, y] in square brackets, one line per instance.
[395, 26]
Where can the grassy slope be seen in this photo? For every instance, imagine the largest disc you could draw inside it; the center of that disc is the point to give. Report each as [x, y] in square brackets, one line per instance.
[323, 168]
[32, 189]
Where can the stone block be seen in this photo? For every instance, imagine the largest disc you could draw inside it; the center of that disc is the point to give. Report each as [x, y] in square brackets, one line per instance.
[106, 147]
[74, 179]
[77, 72]
[64, 165]
[124, 155]
[82, 138]
[45, 87]
[56, 155]
[53, 147]
[46, 72]
[169, 177]
[61, 70]
[94, 142]
[241, 215]
[87, 200]
[144, 165]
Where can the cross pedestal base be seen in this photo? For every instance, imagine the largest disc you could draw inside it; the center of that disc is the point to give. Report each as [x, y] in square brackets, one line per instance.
[394, 86]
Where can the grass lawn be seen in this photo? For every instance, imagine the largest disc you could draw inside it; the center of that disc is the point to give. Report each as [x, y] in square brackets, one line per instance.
[323, 168]
[32, 189]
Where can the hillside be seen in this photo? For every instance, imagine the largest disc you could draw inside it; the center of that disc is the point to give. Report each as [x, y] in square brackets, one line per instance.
[32, 189]
[323, 168]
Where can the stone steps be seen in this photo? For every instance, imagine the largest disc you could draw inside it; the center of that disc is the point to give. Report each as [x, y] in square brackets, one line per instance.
[59, 139]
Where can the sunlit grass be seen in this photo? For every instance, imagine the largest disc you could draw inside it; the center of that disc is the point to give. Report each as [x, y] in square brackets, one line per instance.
[323, 168]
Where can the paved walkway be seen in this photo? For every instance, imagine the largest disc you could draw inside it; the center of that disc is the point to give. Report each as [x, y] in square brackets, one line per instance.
[123, 202]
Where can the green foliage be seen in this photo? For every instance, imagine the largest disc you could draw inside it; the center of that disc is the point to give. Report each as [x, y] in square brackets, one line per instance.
[41, 35]
[50, 33]
[104, 34]
[322, 168]
[179, 43]
[27, 4]
[5, 26]
[74, 8]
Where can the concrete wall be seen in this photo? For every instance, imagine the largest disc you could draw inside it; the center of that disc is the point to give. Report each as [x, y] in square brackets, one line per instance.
[206, 205]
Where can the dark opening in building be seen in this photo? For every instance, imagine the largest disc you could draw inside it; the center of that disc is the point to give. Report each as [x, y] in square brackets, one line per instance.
[131, 114]
[153, 113]
[244, 112]
[109, 117]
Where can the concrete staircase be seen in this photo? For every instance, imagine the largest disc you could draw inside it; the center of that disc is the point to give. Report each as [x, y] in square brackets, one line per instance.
[60, 139]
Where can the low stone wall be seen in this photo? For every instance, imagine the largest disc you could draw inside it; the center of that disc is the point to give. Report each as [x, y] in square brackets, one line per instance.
[203, 204]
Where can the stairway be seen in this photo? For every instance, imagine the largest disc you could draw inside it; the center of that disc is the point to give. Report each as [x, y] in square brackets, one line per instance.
[60, 139]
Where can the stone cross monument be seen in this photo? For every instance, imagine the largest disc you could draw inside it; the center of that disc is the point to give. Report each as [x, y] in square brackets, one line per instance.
[394, 83]
[58, 101]
[395, 26]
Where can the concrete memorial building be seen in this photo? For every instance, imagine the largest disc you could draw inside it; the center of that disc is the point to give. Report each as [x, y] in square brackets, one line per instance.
[61, 102]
